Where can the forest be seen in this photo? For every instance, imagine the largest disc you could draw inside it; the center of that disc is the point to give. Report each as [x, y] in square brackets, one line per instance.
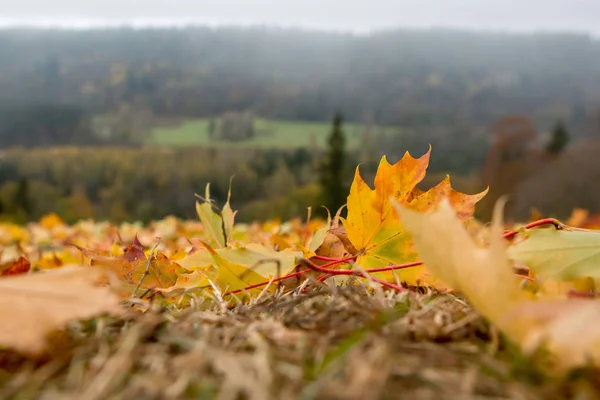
[95, 99]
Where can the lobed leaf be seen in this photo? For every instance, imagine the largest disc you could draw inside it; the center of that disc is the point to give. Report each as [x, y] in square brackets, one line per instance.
[376, 231]
[212, 222]
[560, 254]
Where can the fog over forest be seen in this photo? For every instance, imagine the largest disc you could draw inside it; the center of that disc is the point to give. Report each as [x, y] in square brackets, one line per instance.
[397, 90]
[400, 77]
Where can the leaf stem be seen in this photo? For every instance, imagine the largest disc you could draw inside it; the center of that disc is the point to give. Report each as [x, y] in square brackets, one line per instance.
[325, 270]
[148, 265]
[292, 275]
[328, 272]
[324, 258]
[545, 221]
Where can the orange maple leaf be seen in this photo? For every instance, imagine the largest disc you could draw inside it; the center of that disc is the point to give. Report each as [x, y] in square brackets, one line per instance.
[21, 266]
[374, 228]
[135, 269]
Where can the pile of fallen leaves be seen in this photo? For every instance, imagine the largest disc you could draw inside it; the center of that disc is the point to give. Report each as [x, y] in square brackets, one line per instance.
[406, 293]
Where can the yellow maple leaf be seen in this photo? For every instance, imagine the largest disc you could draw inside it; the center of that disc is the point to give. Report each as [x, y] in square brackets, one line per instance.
[51, 220]
[212, 222]
[237, 268]
[232, 276]
[374, 228]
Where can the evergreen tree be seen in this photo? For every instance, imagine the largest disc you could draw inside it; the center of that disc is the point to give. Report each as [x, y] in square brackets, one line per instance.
[22, 200]
[332, 170]
[211, 128]
[559, 140]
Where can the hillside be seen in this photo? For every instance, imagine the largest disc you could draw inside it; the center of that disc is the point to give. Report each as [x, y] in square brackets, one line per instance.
[404, 78]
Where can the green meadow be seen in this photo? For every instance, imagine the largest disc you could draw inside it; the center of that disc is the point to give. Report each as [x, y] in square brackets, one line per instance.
[269, 134]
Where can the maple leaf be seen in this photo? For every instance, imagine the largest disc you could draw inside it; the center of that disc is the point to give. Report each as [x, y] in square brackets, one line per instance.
[33, 305]
[233, 276]
[239, 267]
[49, 221]
[197, 279]
[463, 204]
[453, 256]
[568, 328]
[335, 244]
[228, 216]
[319, 236]
[559, 254]
[21, 266]
[135, 269]
[212, 222]
[373, 227]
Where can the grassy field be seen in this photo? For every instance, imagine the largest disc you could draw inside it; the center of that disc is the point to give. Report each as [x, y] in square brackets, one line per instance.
[269, 134]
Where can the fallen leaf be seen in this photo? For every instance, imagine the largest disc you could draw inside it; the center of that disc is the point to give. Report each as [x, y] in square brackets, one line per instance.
[228, 217]
[132, 266]
[319, 236]
[211, 221]
[49, 221]
[49, 261]
[232, 276]
[33, 305]
[373, 227]
[568, 328]
[463, 204]
[333, 246]
[451, 254]
[237, 268]
[559, 254]
[19, 267]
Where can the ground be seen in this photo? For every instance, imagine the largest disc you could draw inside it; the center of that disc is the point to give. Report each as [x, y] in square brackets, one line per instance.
[347, 342]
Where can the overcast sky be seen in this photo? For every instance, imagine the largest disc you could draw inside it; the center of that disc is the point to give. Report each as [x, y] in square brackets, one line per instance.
[347, 15]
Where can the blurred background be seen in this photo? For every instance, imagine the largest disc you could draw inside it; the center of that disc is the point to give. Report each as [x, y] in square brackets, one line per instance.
[122, 110]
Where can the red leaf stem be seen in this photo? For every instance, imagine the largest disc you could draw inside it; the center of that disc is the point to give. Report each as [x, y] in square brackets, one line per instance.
[546, 221]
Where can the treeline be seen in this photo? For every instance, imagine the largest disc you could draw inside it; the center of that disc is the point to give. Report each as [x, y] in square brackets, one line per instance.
[125, 184]
[45, 124]
[120, 183]
[405, 78]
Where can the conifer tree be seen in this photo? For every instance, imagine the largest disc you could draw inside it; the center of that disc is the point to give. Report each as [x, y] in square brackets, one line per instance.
[332, 170]
[22, 200]
[559, 140]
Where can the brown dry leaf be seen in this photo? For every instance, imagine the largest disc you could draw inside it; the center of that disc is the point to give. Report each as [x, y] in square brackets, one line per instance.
[33, 305]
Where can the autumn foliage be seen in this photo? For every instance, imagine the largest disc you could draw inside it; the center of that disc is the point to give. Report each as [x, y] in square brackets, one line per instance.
[393, 236]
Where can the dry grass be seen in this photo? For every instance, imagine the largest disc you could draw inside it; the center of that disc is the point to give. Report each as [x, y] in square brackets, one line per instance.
[334, 343]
